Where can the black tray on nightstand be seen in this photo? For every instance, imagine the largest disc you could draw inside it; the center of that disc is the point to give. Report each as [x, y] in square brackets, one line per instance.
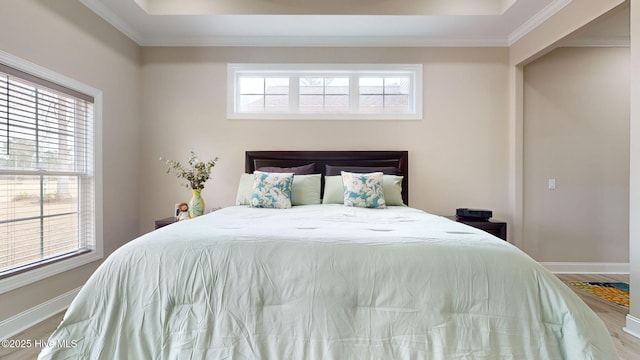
[164, 222]
[494, 227]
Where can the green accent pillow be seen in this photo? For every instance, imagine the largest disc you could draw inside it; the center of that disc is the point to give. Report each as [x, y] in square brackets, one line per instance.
[306, 189]
[392, 187]
[333, 190]
[363, 190]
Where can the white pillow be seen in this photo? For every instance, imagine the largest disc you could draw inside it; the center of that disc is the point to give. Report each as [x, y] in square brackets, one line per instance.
[243, 196]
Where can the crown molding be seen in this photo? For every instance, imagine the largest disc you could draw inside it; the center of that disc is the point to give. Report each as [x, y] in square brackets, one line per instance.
[116, 21]
[296, 41]
[537, 20]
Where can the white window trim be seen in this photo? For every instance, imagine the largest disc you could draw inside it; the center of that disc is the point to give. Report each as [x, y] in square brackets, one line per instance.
[46, 271]
[295, 70]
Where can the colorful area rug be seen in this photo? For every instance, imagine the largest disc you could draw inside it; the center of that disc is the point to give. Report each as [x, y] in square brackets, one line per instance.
[616, 292]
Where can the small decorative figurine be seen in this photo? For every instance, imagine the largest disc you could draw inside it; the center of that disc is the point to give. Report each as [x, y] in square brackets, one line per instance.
[182, 213]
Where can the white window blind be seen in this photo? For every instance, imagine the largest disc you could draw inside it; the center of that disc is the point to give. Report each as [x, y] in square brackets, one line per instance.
[325, 91]
[47, 178]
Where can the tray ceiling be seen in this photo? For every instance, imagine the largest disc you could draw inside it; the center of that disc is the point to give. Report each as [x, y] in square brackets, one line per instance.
[325, 23]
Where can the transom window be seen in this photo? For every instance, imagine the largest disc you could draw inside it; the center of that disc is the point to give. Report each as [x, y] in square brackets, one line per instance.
[312, 91]
[47, 173]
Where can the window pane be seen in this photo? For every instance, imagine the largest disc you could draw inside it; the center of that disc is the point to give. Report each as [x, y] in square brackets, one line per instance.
[20, 243]
[19, 196]
[57, 137]
[251, 103]
[19, 199]
[371, 85]
[311, 85]
[396, 103]
[337, 85]
[277, 86]
[60, 235]
[337, 103]
[311, 94]
[371, 103]
[251, 85]
[276, 103]
[311, 102]
[399, 85]
[60, 195]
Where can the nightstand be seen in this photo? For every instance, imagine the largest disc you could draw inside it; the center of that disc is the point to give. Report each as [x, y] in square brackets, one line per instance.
[493, 227]
[164, 222]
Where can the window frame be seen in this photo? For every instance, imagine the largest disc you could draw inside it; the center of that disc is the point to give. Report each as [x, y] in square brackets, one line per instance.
[53, 266]
[353, 71]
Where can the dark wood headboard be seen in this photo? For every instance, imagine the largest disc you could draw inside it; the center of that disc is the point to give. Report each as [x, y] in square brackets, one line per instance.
[398, 159]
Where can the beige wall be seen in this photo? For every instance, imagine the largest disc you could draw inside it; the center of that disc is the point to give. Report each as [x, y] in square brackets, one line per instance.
[457, 153]
[537, 43]
[533, 45]
[576, 130]
[66, 37]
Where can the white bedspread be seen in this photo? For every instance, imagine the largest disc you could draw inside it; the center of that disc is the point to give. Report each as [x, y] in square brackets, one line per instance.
[325, 282]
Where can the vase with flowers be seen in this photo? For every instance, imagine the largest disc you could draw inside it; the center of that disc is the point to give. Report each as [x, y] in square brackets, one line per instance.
[196, 174]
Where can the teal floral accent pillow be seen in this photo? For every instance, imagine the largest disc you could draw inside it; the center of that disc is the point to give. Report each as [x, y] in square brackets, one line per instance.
[271, 190]
[363, 190]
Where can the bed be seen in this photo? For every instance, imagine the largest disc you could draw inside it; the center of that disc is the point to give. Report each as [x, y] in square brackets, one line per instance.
[325, 281]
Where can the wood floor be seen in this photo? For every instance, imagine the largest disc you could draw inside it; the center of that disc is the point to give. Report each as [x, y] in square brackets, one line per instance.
[612, 315]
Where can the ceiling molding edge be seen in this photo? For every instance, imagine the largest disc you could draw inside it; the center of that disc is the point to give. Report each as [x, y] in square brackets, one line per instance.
[113, 19]
[293, 41]
[537, 20]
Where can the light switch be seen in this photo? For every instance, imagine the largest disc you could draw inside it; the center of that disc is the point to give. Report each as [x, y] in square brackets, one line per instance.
[552, 184]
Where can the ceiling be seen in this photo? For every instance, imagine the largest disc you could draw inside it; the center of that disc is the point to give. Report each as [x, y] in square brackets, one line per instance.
[326, 22]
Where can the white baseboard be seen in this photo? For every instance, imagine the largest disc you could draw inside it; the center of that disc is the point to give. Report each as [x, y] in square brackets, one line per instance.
[26, 319]
[633, 326]
[586, 268]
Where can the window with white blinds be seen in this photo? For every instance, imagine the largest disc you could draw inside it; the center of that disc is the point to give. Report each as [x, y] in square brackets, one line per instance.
[47, 172]
[325, 91]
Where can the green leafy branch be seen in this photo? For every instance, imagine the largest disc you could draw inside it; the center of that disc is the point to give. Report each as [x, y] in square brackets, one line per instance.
[196, 173]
